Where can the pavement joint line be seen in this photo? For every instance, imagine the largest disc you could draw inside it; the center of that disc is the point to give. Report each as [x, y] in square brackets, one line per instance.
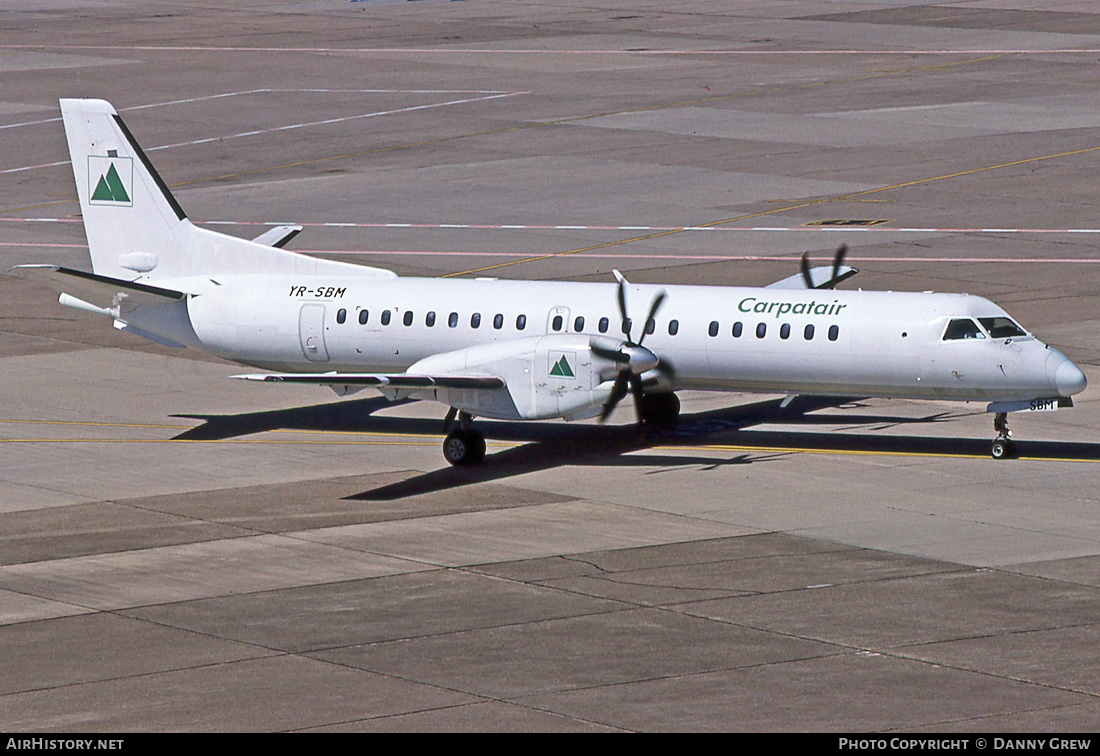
[854, 452]
[147, 106]
[509, 444]
[995, 51]
[155, 426]
[715, 258]
[272, 442]
[805, 229]
[287, 127]
[273, 90]
[643, 256]
[785, 208]
[532, 124]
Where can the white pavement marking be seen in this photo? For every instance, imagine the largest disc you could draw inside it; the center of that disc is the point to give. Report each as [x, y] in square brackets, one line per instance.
[879, 229]
[533, 51]
[293, 126]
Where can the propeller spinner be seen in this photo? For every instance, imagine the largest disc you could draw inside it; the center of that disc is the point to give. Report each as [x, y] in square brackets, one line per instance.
[632, 358]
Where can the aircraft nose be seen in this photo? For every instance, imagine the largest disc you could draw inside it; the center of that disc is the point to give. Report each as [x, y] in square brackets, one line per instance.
[1064, 376]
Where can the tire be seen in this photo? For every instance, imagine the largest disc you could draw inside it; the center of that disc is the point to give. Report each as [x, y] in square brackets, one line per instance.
[477, 447]
[464, 447]
[456, 449]
[1002, 449]
[660, 410]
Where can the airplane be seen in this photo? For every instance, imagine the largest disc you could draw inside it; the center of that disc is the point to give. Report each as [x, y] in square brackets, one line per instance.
[515, 349]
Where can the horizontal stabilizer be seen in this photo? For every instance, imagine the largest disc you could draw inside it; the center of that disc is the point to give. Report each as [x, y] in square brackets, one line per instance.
[101, 291]
[822, 277]
[278, 236]
[399, 380]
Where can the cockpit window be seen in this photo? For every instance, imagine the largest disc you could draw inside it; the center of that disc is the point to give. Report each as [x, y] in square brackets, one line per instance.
[962, 328]
[1002, 328]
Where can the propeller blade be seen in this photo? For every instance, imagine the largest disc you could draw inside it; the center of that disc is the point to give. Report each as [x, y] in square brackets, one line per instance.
[805, 268]
[657, 302]
[636, 387]
[618, 391]
[841, 251]
[609, 354]
[622, 310]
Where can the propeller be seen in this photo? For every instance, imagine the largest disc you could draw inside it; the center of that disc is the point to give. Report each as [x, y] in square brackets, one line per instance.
[631, 357]
[838, 259]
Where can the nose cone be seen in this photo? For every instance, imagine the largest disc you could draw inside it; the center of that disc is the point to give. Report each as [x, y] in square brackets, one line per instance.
[1064, 376]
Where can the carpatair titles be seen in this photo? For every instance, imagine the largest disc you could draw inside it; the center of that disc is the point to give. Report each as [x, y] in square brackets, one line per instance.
[779, 309]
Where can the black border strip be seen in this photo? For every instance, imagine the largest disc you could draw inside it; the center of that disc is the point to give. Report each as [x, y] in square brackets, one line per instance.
[392, 381]
[149, 167]
[118, 282]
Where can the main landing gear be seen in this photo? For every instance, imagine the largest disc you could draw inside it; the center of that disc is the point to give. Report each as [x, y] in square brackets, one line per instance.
[659, 410]
[463, 446]
[1003, 446]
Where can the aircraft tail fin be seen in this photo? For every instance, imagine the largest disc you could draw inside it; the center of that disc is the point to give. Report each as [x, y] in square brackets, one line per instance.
[137, 229]
[133, 223]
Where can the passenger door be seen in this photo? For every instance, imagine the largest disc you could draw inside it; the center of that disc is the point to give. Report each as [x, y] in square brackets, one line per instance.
[311, 332]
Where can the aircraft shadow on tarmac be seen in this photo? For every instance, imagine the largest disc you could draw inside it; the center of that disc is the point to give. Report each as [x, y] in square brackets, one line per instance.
[550, 445]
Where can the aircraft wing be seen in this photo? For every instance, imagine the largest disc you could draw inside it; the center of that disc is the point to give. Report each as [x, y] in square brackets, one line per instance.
[821, 276]
[100, 291]
[382, 380]
[278, 236]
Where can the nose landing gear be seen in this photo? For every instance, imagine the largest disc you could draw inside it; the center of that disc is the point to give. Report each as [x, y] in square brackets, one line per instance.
[1003, 446]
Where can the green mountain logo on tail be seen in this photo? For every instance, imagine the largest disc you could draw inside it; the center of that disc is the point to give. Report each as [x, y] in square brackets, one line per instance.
[110, 180]
[561, 369]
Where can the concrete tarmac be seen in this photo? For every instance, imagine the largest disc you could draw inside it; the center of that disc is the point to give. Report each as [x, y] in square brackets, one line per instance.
[181, 551]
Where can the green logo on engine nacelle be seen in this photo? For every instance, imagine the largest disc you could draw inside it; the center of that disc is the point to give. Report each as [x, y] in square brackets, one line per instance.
[561, 368]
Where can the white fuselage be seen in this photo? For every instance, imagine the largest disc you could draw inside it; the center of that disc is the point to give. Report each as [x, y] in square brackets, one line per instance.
[823, 342]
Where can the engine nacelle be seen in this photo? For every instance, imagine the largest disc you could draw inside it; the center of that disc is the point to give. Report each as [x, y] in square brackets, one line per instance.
[556, 375]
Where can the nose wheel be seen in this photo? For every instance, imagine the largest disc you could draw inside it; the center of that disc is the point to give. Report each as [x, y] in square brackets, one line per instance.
[1003, 446]
[463, 446]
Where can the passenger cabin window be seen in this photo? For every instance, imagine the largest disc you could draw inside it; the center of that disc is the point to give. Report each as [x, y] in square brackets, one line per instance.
[408, 319]
[363, 315]
[341, 315]
[650, 326]
[673, 327]
[738, 329]
[761, 330]
[834, 332]
[556, 324]
[604, 323]
[521, 322]
[713, 329]
[578, 323]
[808, 332]
[962, 328]
[1002, 328]
[498, 321]
[628, 326]
[452, 320]
[785, 331]
[475, 320]
[386, 314]
[429, 319]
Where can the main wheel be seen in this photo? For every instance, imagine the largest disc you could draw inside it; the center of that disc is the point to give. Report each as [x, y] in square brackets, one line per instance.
[662, 410]
[464, 447]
